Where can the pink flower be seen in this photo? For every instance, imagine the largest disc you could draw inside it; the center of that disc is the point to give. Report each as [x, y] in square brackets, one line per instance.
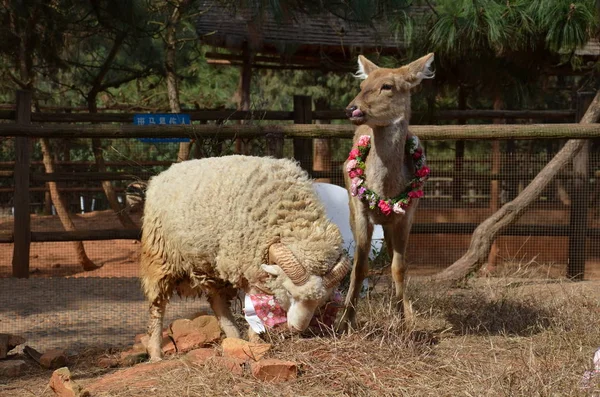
[351, 164]
[415, 194]
[364, 140]
[397, 208]
[423, 172]
[353, 154]
[355, 184]
[384, 207]
[361, 192]
[356, 172]
[417, 154]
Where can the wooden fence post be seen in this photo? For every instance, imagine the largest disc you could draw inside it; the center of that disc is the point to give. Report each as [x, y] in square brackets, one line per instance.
[274, 146]
[322, 146]
[578, 224]
[22, 225]
[303, 146]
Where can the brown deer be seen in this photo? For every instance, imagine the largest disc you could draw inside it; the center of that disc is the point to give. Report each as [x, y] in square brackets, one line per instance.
[385, 171]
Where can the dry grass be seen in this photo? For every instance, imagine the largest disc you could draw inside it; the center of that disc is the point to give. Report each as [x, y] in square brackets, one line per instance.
[499, 336]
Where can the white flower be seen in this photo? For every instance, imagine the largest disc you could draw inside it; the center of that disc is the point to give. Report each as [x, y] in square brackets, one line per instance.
[397, 208]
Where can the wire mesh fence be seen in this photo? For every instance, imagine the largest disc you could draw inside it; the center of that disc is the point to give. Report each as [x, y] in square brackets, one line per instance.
[62, 305]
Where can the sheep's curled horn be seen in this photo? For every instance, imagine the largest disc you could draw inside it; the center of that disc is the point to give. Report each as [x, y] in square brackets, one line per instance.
[288, 262]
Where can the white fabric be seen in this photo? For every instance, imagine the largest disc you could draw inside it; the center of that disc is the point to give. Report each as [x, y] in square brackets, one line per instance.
[250, 314]
[335, 200]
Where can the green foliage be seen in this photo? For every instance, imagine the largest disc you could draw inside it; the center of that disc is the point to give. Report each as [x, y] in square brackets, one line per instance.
[566, 24]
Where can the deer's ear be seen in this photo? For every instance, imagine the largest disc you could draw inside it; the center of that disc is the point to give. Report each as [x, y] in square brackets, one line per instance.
[365, 67]
[419, 70]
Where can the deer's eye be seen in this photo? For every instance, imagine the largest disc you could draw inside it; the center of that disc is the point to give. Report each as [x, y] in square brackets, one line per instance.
[386, 87]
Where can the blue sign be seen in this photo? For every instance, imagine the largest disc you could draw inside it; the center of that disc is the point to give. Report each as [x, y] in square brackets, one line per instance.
[161, 119]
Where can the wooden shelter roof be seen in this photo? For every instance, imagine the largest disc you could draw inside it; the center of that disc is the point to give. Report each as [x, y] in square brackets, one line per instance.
[323, 40]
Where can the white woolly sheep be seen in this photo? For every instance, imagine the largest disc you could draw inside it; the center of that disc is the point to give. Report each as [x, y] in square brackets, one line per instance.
[237, 222]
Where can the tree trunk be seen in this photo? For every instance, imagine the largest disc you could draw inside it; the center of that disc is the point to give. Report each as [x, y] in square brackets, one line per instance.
[107, 186]
[171, 73]
[459, 153]
[487, 231]
[61, 209]
[495, 184]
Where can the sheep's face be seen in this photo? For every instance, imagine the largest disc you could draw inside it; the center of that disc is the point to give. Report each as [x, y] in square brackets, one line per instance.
[299, 301]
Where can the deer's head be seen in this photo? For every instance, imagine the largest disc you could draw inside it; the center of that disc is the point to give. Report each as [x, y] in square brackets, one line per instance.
[384, 96]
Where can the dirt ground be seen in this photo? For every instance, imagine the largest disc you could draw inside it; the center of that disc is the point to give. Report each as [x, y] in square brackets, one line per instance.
[61, 306]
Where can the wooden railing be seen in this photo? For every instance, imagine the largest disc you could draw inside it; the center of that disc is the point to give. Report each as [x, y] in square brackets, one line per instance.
[54, 126]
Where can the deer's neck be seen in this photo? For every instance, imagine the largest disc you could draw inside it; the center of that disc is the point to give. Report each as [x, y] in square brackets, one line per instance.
[386, 172]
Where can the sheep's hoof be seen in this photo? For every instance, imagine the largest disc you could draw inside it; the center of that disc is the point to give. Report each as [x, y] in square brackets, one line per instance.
[154, 360]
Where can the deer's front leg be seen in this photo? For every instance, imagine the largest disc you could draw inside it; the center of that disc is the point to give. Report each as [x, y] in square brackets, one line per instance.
[397, 235]
[362, 230]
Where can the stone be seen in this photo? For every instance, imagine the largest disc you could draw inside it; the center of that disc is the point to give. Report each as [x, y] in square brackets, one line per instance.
[9, 342]
[273, 370]
[139, 377]
[191, 341]
[63, 386]
[53, 359]
[206, 325]
[239, 348]
[192, 334]
[12, 368]
[107, 362]
[200, 356]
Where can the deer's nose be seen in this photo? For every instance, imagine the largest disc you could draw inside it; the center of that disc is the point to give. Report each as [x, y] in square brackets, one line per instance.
[353, 111]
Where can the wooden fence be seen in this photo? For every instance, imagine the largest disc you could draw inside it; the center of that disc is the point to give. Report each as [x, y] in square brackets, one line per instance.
[302, 133]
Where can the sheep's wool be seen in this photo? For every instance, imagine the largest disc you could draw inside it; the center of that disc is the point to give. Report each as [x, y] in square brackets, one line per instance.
[214, 219]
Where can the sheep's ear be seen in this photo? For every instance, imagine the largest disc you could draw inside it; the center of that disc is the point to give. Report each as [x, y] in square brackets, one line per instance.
[365, 67]
[273, 270]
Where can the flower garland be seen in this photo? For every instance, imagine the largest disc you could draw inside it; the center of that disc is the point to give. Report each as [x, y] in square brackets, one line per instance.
[356, 171]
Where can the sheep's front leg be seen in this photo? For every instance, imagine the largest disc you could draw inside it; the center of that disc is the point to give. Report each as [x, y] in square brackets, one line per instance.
[362, 230]
[219, 303]
[155, 325]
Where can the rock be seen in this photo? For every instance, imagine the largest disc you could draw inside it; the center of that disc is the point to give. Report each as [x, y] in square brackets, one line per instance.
[239, 348]
[273, 370]
[53, 359]
[192, 334]
[9, 342]
[200, 356]
[191, 341]
[12, 368]
[207, 325]
[107, 362]
[140, 377]
[63, 386]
